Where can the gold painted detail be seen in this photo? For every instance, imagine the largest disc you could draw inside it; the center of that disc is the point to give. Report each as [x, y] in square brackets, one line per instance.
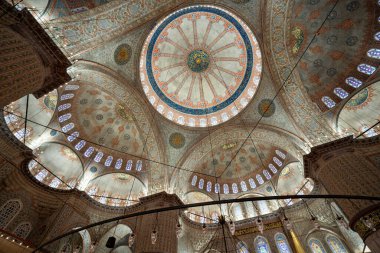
[122, 112]
[363, 230]
[229, 145]
[251, 230]
[298, 39]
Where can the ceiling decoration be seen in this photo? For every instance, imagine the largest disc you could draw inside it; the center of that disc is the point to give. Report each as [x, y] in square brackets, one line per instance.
[123, 54]
[361, 112]
[177, 140]
[200, 66]
[266, 108]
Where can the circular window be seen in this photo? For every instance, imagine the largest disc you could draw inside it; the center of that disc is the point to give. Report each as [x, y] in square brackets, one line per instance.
[200, 66]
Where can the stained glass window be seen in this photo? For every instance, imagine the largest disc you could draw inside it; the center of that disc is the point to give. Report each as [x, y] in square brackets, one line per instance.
[103, 198]
[8, 211]
[217, 188]
[335, 244]
[209, 186]
[252, 183]
[80, 145]
[64, 107]
[92, 191]
[23, 229]
[67, 127]
[71, 87]
[316, 246]
[272, 168]
[20, 134]
[32, 164]
[11, 118]
[234, 188]
[366, 69]
[89, 152]
[201, 182]
[261, 245]
[282, 243]
[259, 179]
[129, 165]
[41, 175]
[139, 165]
[374, 53]
[67, 96]
[377, 36]
[266, 174]
[72, 136]
[280, 154]
[277, 161]
[328, 102]
[226, 189]
[64, 117]
[340, 93]
[55, 183]
[98, 157]
[241, 247]
[243, 186]
[353, 82]
[108, 161]
[194, 180]
[118, 164]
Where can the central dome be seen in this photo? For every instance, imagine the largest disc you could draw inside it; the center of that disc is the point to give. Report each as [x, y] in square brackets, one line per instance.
[200, 66]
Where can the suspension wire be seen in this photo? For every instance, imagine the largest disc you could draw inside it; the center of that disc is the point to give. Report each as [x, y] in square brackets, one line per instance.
[208, 203]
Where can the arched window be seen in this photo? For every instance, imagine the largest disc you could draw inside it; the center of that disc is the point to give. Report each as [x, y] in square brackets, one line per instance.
[217, 188]
[366, 69]
[377, 36]
[316, 246]
[21, 134]
[55, 183]
[277, 161]
[32, 164]
[72, 136]
[71, 87]
[340, 93]
[64, 107]
[80, 145]
[226, 189]
[209, 186]
[98, 157]
[108, 161]
[261, 245]
[335, 245]
[139, 165]
[41, 175]
[129, 165]
[118, 164]
[234, 188]
[328, 102]
[241, 247]
[23, 229]
[201, 182]
[353, 82]
[194, 180]
[252, 183]
[10, 118]
[266, 174]
[92, 191]
[280, 154]
[67, 96]
[9, 211]
[64, 117]
[89, 152]
[374, 53]
[243, 186]
[282, 244]
[272, 168]
[67, 127]
[259, 179]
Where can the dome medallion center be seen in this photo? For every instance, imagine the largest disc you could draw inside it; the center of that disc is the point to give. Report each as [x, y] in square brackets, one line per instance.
[198, 60]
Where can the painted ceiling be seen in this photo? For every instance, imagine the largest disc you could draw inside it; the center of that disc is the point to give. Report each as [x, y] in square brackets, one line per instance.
[163, 91]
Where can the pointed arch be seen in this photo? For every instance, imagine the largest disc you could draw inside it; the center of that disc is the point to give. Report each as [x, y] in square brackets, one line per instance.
[23, 229]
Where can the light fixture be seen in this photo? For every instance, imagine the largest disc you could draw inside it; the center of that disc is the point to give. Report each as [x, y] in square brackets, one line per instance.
[131, 239]
[340, 220]
[153, 236]
[204, 227]
[178, 230]
[232, 226]
[111, 242]
[260, 225]
[315, 222]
